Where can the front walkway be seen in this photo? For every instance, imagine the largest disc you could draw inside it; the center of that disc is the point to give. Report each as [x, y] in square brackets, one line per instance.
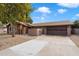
[44, 45]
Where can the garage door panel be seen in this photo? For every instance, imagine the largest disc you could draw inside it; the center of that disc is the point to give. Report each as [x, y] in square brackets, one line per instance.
[57, 31]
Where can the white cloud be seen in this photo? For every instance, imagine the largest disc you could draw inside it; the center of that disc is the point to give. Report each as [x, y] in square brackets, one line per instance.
[69, 5]
[44, 10]
[77, 15]
[61, 11]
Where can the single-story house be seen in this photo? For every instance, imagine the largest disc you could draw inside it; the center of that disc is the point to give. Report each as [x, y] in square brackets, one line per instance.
[49, 28]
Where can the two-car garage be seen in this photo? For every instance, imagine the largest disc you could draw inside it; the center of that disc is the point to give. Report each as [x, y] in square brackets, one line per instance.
[51, 30]
[54, 28]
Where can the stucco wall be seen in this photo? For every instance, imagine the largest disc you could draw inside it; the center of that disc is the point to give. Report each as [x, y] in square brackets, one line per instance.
[76, 31]
[34, 31]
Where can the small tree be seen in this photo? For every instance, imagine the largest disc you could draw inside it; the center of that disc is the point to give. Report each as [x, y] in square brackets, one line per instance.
[76, 24]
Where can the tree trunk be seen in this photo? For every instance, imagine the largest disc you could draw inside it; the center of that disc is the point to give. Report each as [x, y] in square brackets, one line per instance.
[12, 30]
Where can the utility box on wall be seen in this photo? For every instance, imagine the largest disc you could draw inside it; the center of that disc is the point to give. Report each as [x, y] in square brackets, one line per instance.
[35, 31]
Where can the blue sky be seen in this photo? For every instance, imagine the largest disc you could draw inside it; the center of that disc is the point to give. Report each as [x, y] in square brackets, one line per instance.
[52, 12]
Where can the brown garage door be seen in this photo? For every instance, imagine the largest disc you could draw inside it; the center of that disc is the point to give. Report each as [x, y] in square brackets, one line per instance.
[62, 30]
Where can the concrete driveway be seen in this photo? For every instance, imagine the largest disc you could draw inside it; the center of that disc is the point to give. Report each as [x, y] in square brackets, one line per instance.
[44, 46]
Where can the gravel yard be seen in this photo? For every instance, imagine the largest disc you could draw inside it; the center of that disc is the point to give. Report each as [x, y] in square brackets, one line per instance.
[7, 41]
